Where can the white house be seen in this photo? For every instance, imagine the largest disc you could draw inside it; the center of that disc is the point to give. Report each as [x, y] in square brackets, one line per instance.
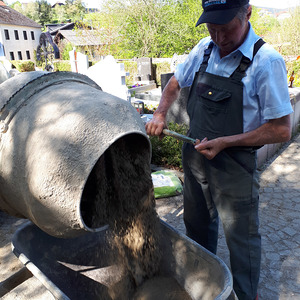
[19, 35]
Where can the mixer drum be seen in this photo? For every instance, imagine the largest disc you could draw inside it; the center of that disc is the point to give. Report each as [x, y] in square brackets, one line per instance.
[54, 129]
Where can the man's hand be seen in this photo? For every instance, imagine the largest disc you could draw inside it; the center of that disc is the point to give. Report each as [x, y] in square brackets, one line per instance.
[209, 148]
[156, 125]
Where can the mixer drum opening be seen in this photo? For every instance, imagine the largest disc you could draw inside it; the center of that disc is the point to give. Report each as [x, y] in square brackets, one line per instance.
[100, 196]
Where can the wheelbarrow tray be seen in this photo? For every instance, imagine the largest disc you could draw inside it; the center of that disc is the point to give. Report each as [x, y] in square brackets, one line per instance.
[84, 267]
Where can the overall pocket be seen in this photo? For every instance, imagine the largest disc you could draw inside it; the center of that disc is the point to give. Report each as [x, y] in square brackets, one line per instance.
[210, 111]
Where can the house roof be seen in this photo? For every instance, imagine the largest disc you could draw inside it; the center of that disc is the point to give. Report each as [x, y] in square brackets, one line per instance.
[80, 37]
[12, 17]
[57, 4]
[54, 28]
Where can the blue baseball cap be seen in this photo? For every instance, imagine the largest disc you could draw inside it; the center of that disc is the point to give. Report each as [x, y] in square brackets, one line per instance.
[220, 11]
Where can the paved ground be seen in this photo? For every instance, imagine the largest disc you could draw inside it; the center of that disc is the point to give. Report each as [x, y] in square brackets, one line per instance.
[280, 223]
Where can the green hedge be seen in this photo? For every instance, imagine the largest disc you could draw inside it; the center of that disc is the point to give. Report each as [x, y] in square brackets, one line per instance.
[167, 152]
[161, 68]
[23, 65]
[131, 68]
[62, 65]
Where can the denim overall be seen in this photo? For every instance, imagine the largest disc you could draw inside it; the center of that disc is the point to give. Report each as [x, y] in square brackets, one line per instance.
[226, 186]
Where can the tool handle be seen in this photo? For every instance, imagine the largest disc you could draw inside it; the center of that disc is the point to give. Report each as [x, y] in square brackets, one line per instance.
[179, 136]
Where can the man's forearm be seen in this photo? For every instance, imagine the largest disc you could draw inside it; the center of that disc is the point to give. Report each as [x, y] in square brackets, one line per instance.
[274, 131]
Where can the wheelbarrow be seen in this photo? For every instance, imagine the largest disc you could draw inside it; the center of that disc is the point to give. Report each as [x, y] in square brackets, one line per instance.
[84, 267]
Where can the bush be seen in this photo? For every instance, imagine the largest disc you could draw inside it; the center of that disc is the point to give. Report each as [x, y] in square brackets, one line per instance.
[39, 63]
[23, 65]
[294, 66]
[67, 47]
[167, 152]
[161, 68]
[62, 66]
[150, 108]
[131, 67]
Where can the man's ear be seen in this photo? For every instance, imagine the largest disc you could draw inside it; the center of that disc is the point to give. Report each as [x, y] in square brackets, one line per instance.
[249, 13]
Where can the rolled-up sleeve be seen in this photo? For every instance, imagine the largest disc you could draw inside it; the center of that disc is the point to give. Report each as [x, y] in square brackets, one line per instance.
[186, 71]
[273, 90]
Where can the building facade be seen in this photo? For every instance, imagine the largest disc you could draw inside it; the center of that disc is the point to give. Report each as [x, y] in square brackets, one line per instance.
[19, 35]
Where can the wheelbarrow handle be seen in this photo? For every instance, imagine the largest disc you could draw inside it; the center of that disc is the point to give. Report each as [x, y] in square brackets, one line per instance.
[179, 136]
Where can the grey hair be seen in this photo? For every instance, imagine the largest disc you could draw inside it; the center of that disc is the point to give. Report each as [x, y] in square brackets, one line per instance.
[241, 15]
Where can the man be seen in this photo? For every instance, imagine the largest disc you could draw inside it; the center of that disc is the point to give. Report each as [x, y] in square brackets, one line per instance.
[238, 102]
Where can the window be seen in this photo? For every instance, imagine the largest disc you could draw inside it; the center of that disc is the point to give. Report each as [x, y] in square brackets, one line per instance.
[32, 35]
[16, 35]
[20, 55]
[27, 54]
[25, 35]
[12, 56]
[6, 33]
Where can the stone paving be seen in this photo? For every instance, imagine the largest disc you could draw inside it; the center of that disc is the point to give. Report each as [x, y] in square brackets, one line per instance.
[279, 225]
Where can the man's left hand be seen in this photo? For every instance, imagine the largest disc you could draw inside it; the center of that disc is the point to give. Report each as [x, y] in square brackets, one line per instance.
[209, 148]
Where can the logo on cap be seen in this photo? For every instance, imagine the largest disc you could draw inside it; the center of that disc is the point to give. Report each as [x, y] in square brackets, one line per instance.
[213, 2]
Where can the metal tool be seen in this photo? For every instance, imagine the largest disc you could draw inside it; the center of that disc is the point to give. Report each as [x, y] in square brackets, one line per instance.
[179, 136]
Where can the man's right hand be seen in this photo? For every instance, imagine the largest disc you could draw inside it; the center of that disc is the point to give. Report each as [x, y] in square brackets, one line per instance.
[156, 125]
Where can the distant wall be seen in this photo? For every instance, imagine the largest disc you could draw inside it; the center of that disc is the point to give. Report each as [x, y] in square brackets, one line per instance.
[267, 151]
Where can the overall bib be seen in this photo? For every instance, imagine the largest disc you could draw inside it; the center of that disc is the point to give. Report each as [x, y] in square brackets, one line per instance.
[226, 186]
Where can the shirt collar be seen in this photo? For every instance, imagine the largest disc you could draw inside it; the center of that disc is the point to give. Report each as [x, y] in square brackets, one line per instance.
[247, 47]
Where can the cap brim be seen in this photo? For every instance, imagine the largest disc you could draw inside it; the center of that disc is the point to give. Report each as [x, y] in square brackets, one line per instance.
[219, 17]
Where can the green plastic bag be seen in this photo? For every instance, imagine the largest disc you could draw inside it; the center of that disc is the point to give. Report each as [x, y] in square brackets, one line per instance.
[166, 184]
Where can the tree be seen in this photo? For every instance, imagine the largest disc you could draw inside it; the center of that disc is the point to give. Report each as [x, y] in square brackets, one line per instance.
[289, 33]
[31, 11]
[105, 26]
[262, 24]
[157, 28]
[284, 35]
[74, 10]
[43, 12]
[58, 14]
[38, 11]
[17, 6]
[179, 34]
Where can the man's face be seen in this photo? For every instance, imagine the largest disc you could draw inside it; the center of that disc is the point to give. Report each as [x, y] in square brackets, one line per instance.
[229, 36]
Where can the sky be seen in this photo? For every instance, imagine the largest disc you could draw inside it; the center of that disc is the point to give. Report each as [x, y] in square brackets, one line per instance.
[275, 3]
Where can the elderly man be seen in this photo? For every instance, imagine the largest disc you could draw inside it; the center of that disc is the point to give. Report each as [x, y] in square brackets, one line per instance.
[238, 102]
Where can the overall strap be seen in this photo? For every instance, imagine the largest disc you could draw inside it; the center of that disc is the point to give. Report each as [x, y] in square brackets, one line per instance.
[240, 71]
[206, 57]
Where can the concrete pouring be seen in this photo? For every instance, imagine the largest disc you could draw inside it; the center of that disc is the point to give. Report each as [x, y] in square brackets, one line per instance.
[279, 218]
[279, 211]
